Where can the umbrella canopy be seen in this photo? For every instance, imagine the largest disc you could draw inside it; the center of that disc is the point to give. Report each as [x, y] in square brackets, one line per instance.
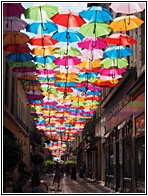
[67, 60]
[13, 24]
[91, 43]
[68, 19]
[44, 60]
[117, 52]
[120, 63]
[91, 54]
[42, 40]
[67, 50]
[17, 48]
[41, 12]
[22, 64]
[96, 29]
[41, 51]
[89, 65]
[127, 8]
[69, 36]
[19, 57]
[45, 66]
[96, 13]
[120, 39]
[125, 23]
[13, 9]
[41, 27]
[15, 38]
[111, 72]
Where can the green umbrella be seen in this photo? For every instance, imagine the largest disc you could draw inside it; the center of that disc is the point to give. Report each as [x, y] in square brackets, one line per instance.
[45, 66]
[95, 29]
[22, 64]
[120, 63]
[67, 50]
[42, 12]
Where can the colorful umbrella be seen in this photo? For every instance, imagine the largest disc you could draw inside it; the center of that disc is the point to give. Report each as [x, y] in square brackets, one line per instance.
[120, 63]
[42, 12]
[44, 60]
[17, 48]
[91, 43]
[125, 23]
[19, 57]
[67, 50]
[68, 19]
[96, 29]
[41, 27]
[42, 40]
[15, 38]
[69, 36]
[45, 66]
[127, 8]
[41, 51]
[89, 65]
[13, 9]
[91, 54]
[120, 39]
[117, 52]
[111, 72]
[67, 60]
[13, 24]
[22, 64]
[96, 13]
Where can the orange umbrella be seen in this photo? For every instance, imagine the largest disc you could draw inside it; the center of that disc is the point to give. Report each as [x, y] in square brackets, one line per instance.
[41, 51]
[15, 38]
[68, 77]
[125, 23]
[89, 64]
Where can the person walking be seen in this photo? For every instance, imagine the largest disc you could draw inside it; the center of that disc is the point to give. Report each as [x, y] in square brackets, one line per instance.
[57, 177]
[73, 172]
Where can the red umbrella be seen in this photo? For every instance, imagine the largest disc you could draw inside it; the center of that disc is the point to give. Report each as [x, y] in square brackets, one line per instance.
[120, 39]
[13, 9]
[17, 48]
[68, 19]
[42, 40]
[111, 72]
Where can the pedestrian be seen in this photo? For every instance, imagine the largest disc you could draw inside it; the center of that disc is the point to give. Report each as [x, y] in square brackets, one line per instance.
[57, 176]
[83, 170]
[73, 172]
[35, 180]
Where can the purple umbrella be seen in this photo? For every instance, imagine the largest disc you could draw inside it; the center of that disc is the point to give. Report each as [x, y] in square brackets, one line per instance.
[13, 9]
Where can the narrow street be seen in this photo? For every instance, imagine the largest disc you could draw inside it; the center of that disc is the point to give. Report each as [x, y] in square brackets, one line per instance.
[69, 186]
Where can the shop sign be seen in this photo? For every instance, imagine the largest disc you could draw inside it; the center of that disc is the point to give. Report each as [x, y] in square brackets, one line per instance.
[118, 107]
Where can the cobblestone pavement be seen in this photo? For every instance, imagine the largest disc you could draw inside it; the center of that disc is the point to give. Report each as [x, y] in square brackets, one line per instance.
[69, 186]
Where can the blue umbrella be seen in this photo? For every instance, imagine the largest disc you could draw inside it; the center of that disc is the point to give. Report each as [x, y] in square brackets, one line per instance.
[19, 57]
[45, 59]
[41, 27]
[69, 36]
[88, 75]
[66, 84]
[89, 92]
[117, 52]
[96, 13]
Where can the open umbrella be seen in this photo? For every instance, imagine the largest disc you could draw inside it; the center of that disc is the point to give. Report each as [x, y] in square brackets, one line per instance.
[127, 8]
[67, 50]
[15, 38]
[42, 51]
[13, 24]
[91, 43]
[67, 60]
[120, 39]
[96, 13]
[96, 29]
[42, 40]
[41, 27]
[89, 65]
[117, 52]
[19, 57]
[125, 23]
[111, 72]
[68, 19]
[12, 9]
[42, 12]
[45, 66]
[120, 63]
[44, 60]
[16, 48]
[91, 54]
[69, 36]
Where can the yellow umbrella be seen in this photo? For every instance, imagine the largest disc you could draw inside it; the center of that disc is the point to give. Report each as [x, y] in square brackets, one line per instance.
[76, 98]
[89, 64]
[42, 51]
[125, 23]
[49, 94]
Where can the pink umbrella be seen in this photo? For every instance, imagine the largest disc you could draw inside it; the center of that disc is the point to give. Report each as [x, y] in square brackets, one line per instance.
[91, 54]
[128, 8]
[111, 72]
[63, 69]
[67, 60]
[45, 71]
[91, 43]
